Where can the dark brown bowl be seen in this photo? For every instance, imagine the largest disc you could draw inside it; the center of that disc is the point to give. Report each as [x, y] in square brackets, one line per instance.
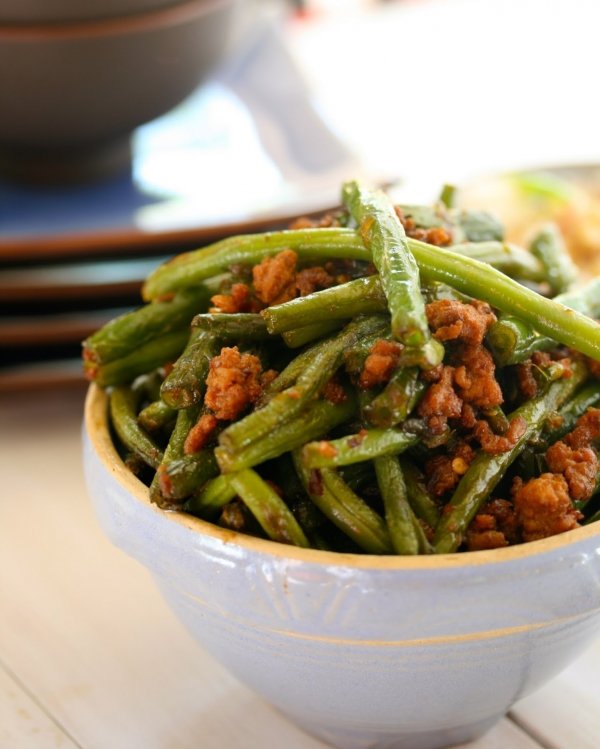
[53, 11]
[71, 94]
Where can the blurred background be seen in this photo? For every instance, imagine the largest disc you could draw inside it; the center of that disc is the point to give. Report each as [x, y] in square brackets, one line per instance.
[132, 131]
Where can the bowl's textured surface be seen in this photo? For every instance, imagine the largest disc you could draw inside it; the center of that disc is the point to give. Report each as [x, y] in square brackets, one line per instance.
[361, 651]
[68, 91]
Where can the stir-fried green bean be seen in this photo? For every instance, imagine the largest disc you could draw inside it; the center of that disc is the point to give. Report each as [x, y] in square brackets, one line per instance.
[309, 333]
[513, 339]
[180, 472]
[184, 385]
[397, 400]
[419, 498]
[190, 268]
[212, 496]
[481, 281]
[384, 236]
[156, 415]
[123, 412]
[406, 533]
[272, 513]
[548, 245]
[132, 330]
[343, 302]
[366, 416]
[156, 352]
[365, 445]
[318, 417]
[345, 509]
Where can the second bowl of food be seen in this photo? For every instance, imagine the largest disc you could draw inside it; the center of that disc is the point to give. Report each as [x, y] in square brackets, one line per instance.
[361, 462]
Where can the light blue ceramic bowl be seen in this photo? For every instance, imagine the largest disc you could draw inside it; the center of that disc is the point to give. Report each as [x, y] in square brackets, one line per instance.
[360, 651]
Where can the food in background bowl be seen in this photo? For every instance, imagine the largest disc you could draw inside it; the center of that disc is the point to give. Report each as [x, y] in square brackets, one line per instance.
[568, 196]
[413, 402]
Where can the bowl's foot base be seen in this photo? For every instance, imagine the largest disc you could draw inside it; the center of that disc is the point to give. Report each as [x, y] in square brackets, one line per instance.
[358, 738]
[63, 166]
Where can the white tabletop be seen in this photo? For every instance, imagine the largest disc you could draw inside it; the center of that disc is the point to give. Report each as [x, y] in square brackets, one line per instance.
[90, 655]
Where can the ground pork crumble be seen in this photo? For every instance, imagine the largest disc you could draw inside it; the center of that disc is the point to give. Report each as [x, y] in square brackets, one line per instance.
[275, 280]
[235, 381]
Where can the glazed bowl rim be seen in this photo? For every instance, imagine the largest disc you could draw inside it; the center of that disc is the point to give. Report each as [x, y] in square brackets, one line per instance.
[170, 15]
[96, 428]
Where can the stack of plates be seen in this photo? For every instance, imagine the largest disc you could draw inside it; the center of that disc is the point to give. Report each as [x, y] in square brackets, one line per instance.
[246, 152]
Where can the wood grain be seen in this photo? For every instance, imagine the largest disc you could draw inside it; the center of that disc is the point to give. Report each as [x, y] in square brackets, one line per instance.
[23, 724]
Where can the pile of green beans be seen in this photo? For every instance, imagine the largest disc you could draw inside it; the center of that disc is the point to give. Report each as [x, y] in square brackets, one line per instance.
[345, 473]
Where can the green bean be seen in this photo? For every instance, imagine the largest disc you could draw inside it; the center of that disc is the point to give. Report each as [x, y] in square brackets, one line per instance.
[183, 274]
[478, 226]
[151, 355]
[212, 497]
[548, 245]
[503, 256]
[513, 339]
[156, 416]
[288, 376]
[465, 225]
[592, 519]
[366, 445]
[587, 397]
[345, 509]
[147, 386]
[486, 470]
[289, 486]
[318, 418]
[434, 292]
[189, 268]
[241, 326]
[406, 533]
[448, 195]
[310, 333]
[360, 296]
[180, 473]
[128, 332]
[481, 281]
[397, 400]
[286, 404]
[179, 477]
[427, 216]
[273, 515]
[384, 236]
[123, 414]
[185, 384]
[419, 498]
[359, 476]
